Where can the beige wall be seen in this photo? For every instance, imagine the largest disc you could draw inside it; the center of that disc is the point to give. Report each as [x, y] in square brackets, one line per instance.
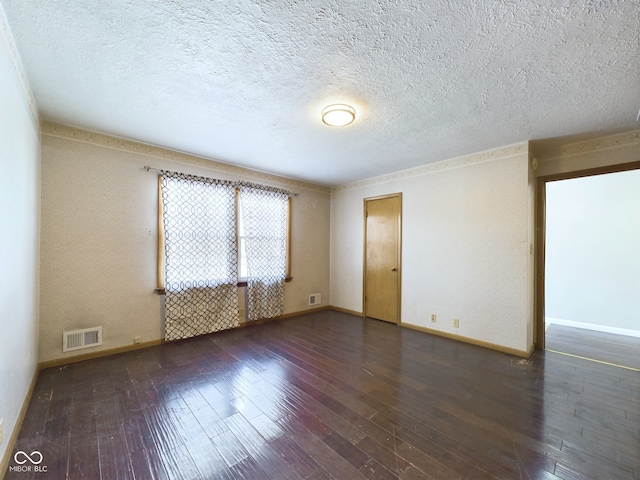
[99, 234]
[468, 235]
[466, 245]
[19, 237]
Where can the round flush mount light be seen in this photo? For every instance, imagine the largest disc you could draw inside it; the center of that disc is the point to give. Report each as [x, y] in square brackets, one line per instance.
[338, 115]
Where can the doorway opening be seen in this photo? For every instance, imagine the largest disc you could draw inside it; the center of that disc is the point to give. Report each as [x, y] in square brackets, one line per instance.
[589, 271]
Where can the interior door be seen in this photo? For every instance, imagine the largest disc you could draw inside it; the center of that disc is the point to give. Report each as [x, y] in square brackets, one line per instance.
[383, 220]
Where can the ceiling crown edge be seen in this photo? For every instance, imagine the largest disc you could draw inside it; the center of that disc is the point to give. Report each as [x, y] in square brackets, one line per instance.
[625, 139]
[521, 148]
[5, 32]
[59, 130]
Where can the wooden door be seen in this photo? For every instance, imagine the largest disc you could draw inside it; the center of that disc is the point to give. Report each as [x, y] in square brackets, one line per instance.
[383, 220]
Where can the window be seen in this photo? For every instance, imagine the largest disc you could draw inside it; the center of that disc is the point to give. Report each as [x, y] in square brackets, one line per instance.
[263, 233]
[206, 263]
[199, 252]
[212, 234]
[199, 226]
[242, 249]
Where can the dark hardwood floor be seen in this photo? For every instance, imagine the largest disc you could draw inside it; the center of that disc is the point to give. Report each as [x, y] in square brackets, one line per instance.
[329, 395]
[601, 346]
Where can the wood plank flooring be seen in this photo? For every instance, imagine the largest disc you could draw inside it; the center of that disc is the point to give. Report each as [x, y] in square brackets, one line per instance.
[330, 395]
[604, 347]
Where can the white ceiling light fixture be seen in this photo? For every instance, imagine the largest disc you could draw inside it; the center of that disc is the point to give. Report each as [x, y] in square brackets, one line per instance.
[338, 115]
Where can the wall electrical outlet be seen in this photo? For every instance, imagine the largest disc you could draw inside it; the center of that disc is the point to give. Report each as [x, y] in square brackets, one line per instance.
[433, 317]
[456, 322]
[137, 339]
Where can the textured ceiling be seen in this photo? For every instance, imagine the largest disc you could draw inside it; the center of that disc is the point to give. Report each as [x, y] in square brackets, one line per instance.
[244, 81]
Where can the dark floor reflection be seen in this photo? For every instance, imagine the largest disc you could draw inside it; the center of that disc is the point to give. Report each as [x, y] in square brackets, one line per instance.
[330, 395]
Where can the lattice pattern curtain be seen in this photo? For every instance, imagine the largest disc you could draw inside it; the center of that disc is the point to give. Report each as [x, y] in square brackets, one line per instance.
[200, 246]
[264, 217]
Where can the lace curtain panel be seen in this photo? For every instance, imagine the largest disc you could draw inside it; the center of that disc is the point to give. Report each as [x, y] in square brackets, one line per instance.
[264, 217]
[200, 246]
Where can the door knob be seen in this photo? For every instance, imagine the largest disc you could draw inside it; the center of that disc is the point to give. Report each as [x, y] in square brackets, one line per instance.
[394, 269]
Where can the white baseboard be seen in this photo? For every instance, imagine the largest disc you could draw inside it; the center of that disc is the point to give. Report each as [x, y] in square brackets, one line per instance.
[591, 326]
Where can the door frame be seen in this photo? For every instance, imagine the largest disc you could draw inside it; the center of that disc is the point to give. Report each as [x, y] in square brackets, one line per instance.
[541, 235]
[399, 253]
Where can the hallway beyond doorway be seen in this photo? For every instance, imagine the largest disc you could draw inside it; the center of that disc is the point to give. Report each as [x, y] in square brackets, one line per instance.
[620, 350]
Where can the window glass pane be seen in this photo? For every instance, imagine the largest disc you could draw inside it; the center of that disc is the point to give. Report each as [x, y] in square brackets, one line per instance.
[264, 217]
[200, 232]
[242, 252]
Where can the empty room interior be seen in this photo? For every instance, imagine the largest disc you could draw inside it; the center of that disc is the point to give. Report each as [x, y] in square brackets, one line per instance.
[311, 239]
[591, 268]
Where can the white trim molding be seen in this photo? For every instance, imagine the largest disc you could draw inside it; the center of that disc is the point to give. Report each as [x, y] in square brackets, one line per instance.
[591, 326]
